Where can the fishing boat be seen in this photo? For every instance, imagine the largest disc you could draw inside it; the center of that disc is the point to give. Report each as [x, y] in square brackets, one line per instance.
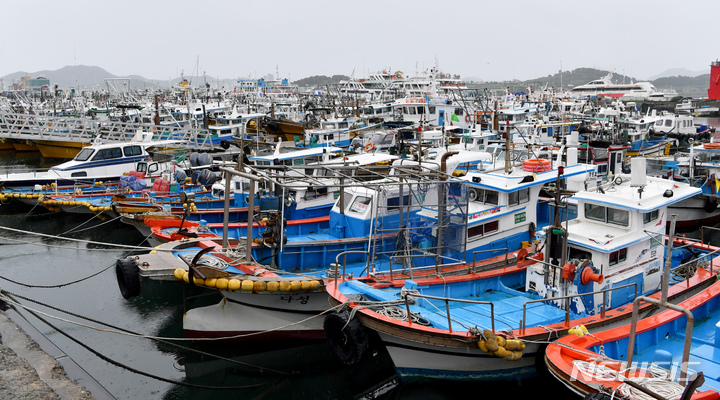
[98, 162]
[398, 226]
[699, 167]
[636, 90]
[336, 132]
[590, 269]
[672, 353]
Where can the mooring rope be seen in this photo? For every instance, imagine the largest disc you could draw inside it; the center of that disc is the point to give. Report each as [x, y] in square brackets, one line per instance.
[132, 369]
[9, 298]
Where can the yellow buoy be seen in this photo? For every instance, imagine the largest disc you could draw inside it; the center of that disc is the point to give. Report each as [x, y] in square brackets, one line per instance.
[492, 344]
[305, 285]
[482, 345]
[260, 286]
[179, 272]
[285, 286]
[199, 281]
[222, 283]
[210, 282]
[500, 341]
[247, 284]
[273, 286]
[295, 286]
[501, 352]
[186, 277]
[511, 344]
[315, 285]
[233, 284]
[488, 333]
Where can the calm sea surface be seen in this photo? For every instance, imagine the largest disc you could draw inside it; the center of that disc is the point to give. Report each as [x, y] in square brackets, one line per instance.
[122, 362]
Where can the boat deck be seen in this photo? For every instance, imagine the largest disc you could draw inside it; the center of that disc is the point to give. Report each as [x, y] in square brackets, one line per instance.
[508, 309]
[670, 337]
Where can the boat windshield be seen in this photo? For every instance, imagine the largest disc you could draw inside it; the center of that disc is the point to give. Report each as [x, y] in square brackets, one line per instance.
[84, 154]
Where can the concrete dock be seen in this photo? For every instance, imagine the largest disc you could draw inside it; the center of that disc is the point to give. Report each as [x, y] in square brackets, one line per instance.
[32, 367]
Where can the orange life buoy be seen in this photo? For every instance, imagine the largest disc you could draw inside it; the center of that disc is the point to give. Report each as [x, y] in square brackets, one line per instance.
[536, 165]
[370, 147]
[712, 145]
[467, 117]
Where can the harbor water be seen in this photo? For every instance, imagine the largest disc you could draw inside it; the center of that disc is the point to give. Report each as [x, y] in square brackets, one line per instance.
[135, 348]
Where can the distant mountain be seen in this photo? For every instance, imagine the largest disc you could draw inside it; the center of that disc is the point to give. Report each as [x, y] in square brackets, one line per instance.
[679, 72]
[76, 76]
[93, 78]
[688, 86]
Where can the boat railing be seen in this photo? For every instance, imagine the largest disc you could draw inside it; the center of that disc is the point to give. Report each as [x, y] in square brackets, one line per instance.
[21, 126]
[447, 306]
[475, 253]
[336, 265]
[437, 267]
[570, 297]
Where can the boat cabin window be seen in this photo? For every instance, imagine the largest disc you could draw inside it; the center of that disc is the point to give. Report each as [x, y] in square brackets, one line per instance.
[607, 214]
[618, 256]
[519, 197]
[132, 151]
[578, 254]
[483, 229]
[347, 197]
[108, 154]
[84, 154]
[393, 203]
[314, 193]
[359, 205]
[651, 216]
[78, 174]
[483, 196]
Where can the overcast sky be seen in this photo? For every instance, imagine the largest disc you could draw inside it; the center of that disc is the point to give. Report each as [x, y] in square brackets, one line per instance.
[487, 40]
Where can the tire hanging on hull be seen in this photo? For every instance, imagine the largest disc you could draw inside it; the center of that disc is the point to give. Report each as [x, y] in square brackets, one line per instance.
[128, 277]
[348, 339]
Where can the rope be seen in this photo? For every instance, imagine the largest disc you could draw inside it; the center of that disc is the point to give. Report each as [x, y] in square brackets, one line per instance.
[135, 370]
[668, 390]
[657, 384]
[60, 284]
[122, 246]
[92, 227]
[120, 330]
[129, 333]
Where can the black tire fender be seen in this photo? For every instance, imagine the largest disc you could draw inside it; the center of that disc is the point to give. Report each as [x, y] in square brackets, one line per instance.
[128, 277]
[348, 339]
[710, 205]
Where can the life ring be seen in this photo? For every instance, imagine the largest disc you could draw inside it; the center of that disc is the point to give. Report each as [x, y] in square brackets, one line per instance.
[712, 145]
[472, 194]
[370, 147]
[467, 117]
[128, 277]
[347, 337]
[536, 165]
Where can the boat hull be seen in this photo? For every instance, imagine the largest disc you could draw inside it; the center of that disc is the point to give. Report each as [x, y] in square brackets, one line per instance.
[253, 316]
[59, 149]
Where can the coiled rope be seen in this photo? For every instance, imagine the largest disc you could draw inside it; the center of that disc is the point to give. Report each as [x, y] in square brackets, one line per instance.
[659, 385]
